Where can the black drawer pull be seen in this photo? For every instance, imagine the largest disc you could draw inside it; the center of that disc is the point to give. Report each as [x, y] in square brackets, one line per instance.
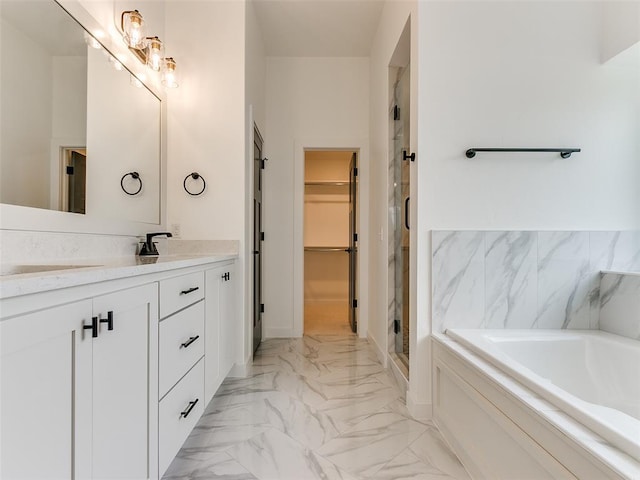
[192, 289]
[108, 320]
[189, 342]
[93, 327]
[185, 413]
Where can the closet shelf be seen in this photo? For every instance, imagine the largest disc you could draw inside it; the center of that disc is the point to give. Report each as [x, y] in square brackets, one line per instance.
[326, 249]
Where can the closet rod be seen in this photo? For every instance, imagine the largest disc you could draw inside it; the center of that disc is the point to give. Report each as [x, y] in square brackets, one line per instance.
[326, 249]
[330, 184]
[564, 152]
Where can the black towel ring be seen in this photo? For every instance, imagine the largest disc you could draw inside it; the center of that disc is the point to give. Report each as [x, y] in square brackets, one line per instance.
[135, 176]
[195, 176]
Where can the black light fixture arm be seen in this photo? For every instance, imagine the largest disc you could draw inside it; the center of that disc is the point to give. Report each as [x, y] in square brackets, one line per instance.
[564, 152]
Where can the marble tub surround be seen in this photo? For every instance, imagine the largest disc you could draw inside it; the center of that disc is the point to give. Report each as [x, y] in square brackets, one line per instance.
[620, 304]
[317, 407]
[524, 279]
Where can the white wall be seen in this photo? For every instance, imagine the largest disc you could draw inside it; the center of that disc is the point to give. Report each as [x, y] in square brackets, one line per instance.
[26, 119]
[522, 74]
[207, 125]
[621, 27]
[310, 103]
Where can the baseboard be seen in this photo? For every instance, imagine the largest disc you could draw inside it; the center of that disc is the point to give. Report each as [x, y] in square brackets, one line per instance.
[419, 410]
[382, 357]
[240, 370]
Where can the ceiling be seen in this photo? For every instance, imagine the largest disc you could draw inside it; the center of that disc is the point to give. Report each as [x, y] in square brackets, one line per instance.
[318, 28]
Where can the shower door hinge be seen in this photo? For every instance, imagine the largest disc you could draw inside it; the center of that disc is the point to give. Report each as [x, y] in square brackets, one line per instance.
[355, 303]
[262, 236]
[263, 163]
[396, 112]
[396, 326]
[355, 237]
[411, 157]
[355, 172]
[262, 308]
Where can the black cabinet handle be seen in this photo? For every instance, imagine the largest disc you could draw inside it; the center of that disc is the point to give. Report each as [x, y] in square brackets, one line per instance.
[226, 277]
[108, 320]
[93, 327]
[192, 289]
[189, 342]
[406, 213]
[185, 413]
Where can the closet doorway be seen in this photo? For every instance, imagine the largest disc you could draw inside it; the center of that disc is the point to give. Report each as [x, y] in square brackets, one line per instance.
[330, 242]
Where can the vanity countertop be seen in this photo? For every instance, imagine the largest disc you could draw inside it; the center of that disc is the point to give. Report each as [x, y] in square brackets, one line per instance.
[64, 274]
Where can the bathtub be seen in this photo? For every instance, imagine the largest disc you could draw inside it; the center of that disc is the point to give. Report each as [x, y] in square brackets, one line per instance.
[591, 376]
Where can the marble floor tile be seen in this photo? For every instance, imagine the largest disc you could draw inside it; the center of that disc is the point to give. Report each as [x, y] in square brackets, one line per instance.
[317, 407]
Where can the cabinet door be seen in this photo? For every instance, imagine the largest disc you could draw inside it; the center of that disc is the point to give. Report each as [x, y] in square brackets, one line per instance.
[213, 280]
[125, 385]
[45, 390]
[229, 332]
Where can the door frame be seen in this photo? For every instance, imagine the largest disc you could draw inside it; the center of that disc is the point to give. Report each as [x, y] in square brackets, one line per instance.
[360, 146]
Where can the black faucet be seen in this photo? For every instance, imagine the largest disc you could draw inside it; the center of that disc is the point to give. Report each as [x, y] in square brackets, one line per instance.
[149, 247]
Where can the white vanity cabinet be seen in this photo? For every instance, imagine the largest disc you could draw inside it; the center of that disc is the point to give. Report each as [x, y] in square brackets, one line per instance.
[222, 335]
[75, 393]
[182, 339]
[105, 379]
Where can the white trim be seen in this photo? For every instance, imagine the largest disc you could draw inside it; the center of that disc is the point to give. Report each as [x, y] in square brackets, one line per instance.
[361, 146]
[419, 410]
[380, 353]
[241, 370]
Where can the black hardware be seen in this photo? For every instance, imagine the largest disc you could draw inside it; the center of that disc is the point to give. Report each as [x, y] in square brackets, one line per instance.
[411, 157]
[355, 172]
[355, 303]
[564, 152]
[93, 327]
[189, 342]
[108, 320]
[226, 276]
[396, 112]
[189, 290]
[148, 247]
[70, 170]
[406, 213]
[355, 237]
[262, 308]
[195, 176]
[262, 236]
[185, 413]
[263, 163]
[396, 326]
[135, 176]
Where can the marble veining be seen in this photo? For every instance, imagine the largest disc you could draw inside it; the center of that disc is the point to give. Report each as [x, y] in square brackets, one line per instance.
[313, 408]
[514, 279]
[620, 304]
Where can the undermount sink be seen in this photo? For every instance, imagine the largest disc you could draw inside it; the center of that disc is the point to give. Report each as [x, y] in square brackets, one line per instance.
[20, 269]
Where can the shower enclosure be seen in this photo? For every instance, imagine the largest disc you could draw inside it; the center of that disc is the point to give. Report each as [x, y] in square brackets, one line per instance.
[400, 207]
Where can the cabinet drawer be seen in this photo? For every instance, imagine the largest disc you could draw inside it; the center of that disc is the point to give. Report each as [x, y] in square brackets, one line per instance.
[179, 292]
[181, 344]
[178, 415]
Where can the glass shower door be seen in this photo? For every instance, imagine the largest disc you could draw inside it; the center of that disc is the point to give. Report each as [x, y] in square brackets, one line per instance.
[401, 208]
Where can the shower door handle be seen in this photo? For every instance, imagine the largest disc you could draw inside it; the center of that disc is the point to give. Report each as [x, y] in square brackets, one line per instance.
[406, 213]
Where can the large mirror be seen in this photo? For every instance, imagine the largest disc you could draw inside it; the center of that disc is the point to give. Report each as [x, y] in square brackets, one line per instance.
[79, 132]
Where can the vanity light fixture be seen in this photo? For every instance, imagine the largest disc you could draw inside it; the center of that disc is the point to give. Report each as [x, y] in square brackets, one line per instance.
[149, 50]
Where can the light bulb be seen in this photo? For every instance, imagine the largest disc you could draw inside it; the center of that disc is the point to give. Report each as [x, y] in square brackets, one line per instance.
[169, 77]
[155, 53]
[133, 29]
